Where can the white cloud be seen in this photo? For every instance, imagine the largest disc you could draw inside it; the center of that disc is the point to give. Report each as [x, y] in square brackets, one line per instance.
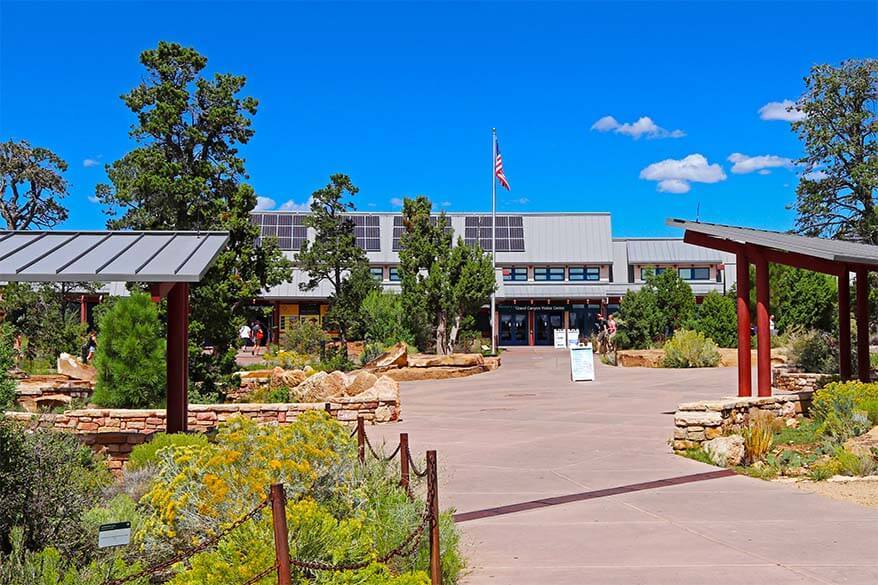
[396, 201]
[817, 175]
[675, 176]
[446, 204]
[743, 164]
[644, 126]
[785, 110]
[264, 203]
[521, 200]
[91, 162]
[291, 205]
[93, 199]
[371, 204]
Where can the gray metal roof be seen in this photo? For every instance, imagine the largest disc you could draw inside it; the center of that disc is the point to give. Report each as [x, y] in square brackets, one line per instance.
[668, 251]
[833, 250]
[108, 256]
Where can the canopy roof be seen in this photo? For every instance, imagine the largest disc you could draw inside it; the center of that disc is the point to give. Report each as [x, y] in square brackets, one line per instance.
[108, 256]
[822, 248]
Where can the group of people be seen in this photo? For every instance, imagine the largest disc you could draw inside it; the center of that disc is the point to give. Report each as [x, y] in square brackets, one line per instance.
[604, 332]
[254, 335]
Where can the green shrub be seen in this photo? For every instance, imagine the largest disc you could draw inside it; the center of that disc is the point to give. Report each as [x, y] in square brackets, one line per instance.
[698, 454]
[853, 464]
[372, 350]
[384, 319]
[814, 351]
[807, 433]
[870, 409]
[843, 409]
[824, 469]
[718, 319]
[690, 349]
[7, 362]
[47, 480]
[146, 453]
[304, 337]
[130, 358]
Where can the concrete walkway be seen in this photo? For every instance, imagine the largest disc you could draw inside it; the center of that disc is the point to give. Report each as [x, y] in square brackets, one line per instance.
[525, 432]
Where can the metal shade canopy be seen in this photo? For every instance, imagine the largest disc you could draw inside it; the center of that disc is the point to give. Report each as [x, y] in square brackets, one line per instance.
[108, 256]
[832, 250]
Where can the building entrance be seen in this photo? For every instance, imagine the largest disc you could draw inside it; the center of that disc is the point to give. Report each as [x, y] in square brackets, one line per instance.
[513, 329]
[545, 324]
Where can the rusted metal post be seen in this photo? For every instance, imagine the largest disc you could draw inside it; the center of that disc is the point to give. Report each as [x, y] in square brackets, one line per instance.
[745, 382]
[83, 310]
[863, 365]
[404, 474]
[361, 440]
[328, 408]
[433, 502]
[178, 358]
[844, 325]
[763, 327]
[281, 536]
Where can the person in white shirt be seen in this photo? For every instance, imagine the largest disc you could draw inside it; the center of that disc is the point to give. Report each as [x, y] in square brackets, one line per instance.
[245, 336]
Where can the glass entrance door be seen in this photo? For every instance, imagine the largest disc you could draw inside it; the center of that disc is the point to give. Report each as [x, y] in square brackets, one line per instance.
[513, 328]
[545, 324]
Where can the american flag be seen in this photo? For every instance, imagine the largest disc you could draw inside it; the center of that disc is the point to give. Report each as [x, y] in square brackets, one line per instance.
[498, 170]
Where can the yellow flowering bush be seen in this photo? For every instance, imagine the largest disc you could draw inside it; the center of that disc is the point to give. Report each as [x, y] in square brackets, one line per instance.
[338, 511]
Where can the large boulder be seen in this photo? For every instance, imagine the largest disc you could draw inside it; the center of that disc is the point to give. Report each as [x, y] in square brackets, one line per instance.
[408, 374]
[863, 444]
[395, 357]
[72, 367]
[640, 358]
[455, 359]
[384, 389]
[281, 378]
[358, 382]
[725, 451]
[320, 387]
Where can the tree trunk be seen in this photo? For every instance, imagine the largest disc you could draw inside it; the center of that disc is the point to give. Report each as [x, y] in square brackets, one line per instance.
[452, 336]
[441, 334]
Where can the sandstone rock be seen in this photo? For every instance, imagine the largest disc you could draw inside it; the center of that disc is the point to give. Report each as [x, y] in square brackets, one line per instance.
[309, 371]
[319, 387]
[289, 378]
[683, 418]
[386, 388]
[358, 382]
[70, 366]
[863, 444]
[396, 356]
[492, 362]
[792, 423]
[455, 359]
[49, 401]
[725, 451]
[640, 358]
[438, 373]
[245, 375]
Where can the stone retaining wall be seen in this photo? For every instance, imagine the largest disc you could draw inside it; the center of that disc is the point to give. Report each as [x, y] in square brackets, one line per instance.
[696, 422]
[115, 432]
[791, 379]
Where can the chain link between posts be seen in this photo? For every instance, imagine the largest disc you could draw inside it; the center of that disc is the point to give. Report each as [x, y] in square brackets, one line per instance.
[188, 553]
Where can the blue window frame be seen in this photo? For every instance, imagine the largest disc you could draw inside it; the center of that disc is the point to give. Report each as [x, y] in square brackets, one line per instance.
[394, 274]
[646, 270]
[515, 273]
[377, 272]
[590, 273]
[695, 273]
[549, 273]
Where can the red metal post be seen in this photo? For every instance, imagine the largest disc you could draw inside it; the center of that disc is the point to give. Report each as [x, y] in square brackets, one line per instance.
[433, 502]
[763, 328]
[281, 535]
[745, 382]
[83, 310]
[404, 475]
[844, 325]
[178, 358]
[863, 324]
[361, 439]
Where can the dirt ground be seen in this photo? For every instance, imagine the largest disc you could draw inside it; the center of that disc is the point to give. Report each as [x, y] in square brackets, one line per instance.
[859, 491]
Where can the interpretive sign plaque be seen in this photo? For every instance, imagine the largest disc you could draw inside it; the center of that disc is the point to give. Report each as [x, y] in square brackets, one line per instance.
[115, 534]
[581, 364]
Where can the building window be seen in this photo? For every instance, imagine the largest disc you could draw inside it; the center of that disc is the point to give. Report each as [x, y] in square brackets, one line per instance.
[553, 273]
[394, 274]
[584, 273]
[377, 272]
[699, 273]
[648, 269]
[515, 273]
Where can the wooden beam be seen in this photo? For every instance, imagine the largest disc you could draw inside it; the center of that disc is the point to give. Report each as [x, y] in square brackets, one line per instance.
[178, 359]
[844, 325]
[160, 290]
[763, 328]
[863, 365]
[745, 382]
[705, 241]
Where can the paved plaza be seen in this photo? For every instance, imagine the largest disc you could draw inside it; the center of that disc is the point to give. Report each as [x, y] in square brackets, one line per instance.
[525, 432]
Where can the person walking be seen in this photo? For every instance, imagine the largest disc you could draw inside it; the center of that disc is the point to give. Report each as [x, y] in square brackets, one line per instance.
[258, 336]
[245, 335]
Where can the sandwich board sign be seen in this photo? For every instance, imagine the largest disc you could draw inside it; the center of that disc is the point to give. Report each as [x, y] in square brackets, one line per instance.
[582, 364]
[115, 534]
[572, 337]
[560, 338]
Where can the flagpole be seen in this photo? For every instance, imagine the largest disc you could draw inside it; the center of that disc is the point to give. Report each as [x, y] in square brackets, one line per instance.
[493, 236]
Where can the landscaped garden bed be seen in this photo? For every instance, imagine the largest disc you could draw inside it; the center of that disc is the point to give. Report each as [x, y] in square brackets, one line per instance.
[818, 435]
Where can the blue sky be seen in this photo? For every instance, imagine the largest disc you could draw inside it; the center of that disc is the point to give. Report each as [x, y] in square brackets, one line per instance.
[403, 96]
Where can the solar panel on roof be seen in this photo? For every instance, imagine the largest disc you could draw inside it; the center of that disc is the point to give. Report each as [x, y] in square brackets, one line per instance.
[399, 229]
[509, 233]
[288, 228]
[367, 230]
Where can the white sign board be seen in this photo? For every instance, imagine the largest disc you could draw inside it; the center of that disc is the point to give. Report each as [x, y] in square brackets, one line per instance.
[116, 534]
[572, 337]
[560, 339]
[581, 364]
